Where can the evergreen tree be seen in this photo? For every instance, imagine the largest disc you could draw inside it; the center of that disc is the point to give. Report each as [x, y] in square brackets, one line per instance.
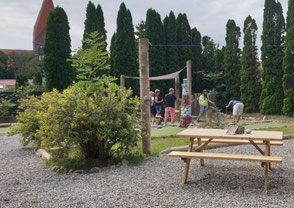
[101, 26]
[141, 30]
[172, 63]
[209, 48]
[232, 60]
[250, 85]
[58, 71]
[288, 63]
[183, 39]
[196, 59]
[91, 22]
[155, 34]
[271, 99]
[125, 58]
[113, 55]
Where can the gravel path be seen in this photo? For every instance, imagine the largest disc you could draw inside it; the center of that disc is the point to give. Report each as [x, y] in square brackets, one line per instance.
[26, 182]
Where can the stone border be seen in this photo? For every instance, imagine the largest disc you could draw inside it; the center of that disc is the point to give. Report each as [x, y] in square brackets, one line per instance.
[45, 155]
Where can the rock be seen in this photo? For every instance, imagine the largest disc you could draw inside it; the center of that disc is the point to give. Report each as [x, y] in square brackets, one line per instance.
[54, 168]
[118, 164]
[264, 118]
[95, 170]
[112, 166]
[78, 171]
[125, 162]
[71, 171]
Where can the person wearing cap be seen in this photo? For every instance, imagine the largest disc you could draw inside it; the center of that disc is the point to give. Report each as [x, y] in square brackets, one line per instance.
[170, 100]
[158, 102]
[203, 102]
[238, 107]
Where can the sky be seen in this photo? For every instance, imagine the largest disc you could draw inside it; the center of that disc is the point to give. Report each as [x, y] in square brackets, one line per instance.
[17, 17]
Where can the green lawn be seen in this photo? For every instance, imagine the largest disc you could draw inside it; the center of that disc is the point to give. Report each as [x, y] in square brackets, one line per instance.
[165, 132]
[285, 130]
[267, 125]
[4, 130]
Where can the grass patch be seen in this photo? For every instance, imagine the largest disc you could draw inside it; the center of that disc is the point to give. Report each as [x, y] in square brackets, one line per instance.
[271, 117]
[158, 145]
[267, 125]
[166, 132]
[4, 130]
[285, 130]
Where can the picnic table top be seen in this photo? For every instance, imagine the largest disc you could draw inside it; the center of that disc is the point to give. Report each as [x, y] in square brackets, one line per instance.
[221, 134]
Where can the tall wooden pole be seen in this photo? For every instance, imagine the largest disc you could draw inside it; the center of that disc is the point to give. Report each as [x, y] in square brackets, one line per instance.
[122, 81]
[189, 78]
[177, 91]
[144, 93]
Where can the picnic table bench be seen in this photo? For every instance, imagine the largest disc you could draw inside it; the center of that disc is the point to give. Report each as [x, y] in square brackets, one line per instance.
[205, 136]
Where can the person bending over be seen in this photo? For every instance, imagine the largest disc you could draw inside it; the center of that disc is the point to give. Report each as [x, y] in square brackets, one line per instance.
[170, 100]
[238, 107]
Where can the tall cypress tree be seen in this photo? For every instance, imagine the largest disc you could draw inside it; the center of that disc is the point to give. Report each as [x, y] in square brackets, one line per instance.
[196, 58]
[271, 99]
[232, 60]
[171, 39]
[155, 34]
[58, 71]
[91, 22]
[101, 25]
[250, 85]
[183, 39]
[288, 63]
[125, 58]
[113, 55]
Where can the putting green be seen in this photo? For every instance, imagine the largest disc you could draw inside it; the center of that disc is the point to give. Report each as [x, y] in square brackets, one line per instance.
[267, 125]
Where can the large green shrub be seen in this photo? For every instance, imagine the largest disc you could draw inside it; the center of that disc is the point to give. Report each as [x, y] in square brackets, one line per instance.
[5, 105]
[96, 118]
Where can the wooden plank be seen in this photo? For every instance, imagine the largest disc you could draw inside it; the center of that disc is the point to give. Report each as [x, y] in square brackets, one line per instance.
[221, 156]
[200, 147]
[199, 144]
[256, 146]
[237, 141]
[187, 166]
[221, 134]
[266, 166]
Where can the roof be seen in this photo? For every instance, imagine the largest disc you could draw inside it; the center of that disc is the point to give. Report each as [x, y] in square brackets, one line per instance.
[40, 24]
[11, 82]
[8, 51]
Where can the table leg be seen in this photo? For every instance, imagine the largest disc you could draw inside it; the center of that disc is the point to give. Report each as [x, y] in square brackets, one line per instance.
[187, 166]
[199, 143]
[266, 165]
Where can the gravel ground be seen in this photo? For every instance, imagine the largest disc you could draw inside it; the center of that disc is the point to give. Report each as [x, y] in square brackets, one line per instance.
[26, 182]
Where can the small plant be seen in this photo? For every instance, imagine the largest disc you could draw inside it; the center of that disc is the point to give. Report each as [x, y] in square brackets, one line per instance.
[5, 105]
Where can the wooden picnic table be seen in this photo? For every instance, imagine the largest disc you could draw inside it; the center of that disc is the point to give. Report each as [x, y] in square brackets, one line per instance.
[205, 136]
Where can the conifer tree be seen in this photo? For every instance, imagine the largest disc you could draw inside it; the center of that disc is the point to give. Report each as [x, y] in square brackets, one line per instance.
[91, 22]
[232, 60]
[101, 26]
[288, 63]
[196, 58]
[155, 34]
[272, 95]
[183, 39]
[250, 85]
[113, 55]
[171, 39]
[58, 71]
[125, 58]
[141, 30]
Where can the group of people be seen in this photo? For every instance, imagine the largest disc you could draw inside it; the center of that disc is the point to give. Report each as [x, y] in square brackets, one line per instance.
[165, 107]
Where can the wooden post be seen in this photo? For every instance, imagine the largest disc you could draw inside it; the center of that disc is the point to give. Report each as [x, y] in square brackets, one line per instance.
[177, 91]
[189, 78]
[122, 81]
[144, 93]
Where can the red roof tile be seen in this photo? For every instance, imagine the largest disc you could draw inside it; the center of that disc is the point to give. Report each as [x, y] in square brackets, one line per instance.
[40, 24]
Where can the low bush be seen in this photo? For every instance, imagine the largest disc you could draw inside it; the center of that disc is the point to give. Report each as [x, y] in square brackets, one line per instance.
[93, 117]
